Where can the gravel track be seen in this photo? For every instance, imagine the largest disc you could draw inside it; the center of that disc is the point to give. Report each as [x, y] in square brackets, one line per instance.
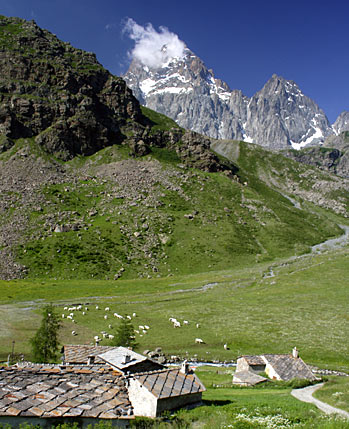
[306, 395]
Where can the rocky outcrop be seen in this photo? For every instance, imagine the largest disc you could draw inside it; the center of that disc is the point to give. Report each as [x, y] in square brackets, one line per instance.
[277, 117]
[333, 156]
[58, 95]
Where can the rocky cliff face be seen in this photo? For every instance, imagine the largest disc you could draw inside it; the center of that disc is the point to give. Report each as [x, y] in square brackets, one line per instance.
[333, 156]
[277, 117]
[59, 95]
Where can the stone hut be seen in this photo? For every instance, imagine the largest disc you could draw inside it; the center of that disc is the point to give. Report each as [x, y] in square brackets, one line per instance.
[168, 389]
[98, 383]
[276, 367]
[120, 358]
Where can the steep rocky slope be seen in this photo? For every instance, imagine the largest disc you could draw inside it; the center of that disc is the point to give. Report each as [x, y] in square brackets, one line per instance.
[277, 117]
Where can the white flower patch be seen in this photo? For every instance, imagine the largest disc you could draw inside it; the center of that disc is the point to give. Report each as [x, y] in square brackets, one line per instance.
[269, 422]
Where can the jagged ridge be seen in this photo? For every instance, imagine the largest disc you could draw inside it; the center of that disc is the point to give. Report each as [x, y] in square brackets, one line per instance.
[278, 116]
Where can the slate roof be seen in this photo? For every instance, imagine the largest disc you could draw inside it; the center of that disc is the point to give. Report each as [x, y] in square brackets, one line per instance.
[81, 353]
[169, 383]
[288, 367]
[253, 360]
[247, 378]
[63, 391]
[116, 357]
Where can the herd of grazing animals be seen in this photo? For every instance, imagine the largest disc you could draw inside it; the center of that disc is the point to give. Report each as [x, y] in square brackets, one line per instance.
[142, 329]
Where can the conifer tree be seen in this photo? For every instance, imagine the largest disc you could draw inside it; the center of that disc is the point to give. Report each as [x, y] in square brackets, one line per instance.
[45, 343]
[124, 335]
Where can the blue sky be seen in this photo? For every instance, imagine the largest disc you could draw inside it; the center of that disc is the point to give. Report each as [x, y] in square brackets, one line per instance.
[243, 41]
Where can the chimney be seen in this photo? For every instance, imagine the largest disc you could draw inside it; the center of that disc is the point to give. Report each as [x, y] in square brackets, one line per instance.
[295, 352]
[127, 359]
[185, 367]
[90, 360]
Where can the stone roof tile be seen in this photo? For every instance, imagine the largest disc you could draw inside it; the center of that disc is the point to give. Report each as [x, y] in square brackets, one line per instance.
[56, 391]
[170, 382]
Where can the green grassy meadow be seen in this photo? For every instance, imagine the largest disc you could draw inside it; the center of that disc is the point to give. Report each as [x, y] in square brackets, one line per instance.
[304, 304]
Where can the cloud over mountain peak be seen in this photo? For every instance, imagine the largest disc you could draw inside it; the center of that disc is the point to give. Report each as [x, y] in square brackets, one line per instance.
[153, 48]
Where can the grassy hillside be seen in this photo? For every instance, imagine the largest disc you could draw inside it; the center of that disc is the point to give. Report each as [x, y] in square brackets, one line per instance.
[108, 215]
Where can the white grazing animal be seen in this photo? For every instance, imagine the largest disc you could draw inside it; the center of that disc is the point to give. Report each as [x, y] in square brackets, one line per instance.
[63, 316]
[176, 324]
[185, 322]
[146, 327]
[199, 341]
[226, 347]
[73, 332]
[97, 308]
[129, 317]
[107, 309]
[134, 314]
[105, 316]
[198, 325]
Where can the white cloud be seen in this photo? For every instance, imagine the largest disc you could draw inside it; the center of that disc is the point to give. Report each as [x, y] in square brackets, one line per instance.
[153, 48]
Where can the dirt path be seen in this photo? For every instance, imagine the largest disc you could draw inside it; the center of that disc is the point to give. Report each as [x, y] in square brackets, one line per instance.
[306, 395]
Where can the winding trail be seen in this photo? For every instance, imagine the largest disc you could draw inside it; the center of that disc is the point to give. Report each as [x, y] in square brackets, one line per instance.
[306, 395]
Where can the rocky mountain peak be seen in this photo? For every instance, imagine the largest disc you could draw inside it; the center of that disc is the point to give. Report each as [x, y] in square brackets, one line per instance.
[278, 116]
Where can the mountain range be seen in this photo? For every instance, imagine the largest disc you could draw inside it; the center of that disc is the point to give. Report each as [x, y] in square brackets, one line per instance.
[279, 116]
[94, 185]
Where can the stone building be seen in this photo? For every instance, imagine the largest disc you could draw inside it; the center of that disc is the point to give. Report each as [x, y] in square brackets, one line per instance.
[95, 383]
[154, 392]
[276, 367]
